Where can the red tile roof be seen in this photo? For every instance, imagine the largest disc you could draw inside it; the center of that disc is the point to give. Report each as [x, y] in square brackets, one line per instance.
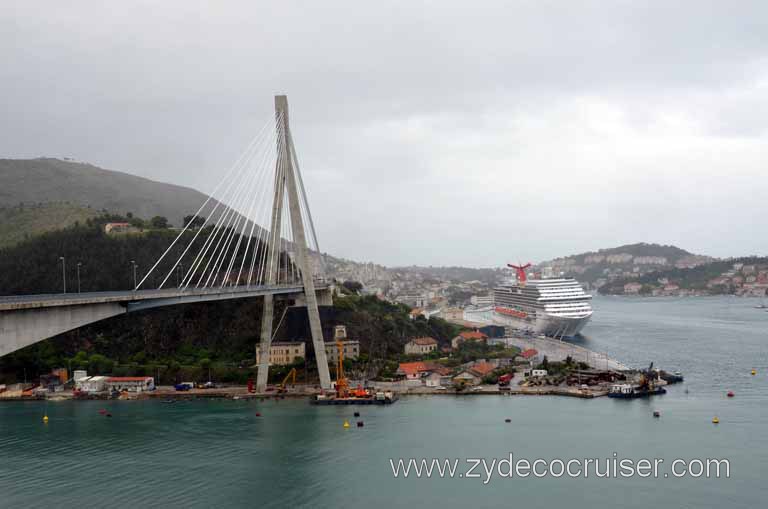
[424, 341]
[482, 368]
[438, 368]
[411, 368]
[527, 354]
[468, 335]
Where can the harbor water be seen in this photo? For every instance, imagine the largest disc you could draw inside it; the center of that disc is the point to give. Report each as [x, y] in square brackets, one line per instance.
[222, 454]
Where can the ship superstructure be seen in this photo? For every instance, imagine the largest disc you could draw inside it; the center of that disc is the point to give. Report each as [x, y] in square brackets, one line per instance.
[553, 307]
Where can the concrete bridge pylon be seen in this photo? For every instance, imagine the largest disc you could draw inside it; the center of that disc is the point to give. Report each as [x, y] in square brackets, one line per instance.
[286, 186]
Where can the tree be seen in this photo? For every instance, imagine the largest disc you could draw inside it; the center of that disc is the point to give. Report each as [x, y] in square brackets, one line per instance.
[159, 222]
[194, 222]
[136, 222]
[98, 363]
[80, 360]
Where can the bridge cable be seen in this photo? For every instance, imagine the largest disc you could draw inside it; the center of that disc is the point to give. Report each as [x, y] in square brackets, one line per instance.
[211, 237]
[210, 197]
[245, 217]
[258, 198]
[233, 214]
[193, 267]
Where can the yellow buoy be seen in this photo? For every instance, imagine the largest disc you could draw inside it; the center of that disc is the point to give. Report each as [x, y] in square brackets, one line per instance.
[346, 424]
[754, 372]
[45, 419]
[715, 420]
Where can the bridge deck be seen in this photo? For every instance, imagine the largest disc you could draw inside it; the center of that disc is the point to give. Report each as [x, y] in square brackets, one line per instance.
[16, 302]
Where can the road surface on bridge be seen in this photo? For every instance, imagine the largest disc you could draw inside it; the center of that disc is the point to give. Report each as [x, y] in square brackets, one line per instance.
[16, 302]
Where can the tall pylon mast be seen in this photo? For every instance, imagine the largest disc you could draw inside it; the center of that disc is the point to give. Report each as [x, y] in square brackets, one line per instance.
[286, 183]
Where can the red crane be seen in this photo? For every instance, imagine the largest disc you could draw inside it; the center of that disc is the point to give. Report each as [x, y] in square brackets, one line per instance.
[521, 277]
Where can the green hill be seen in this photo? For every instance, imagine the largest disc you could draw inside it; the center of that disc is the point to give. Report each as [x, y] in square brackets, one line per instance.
[629, 260]
[48, 180]
[21, 222]
[176, 342]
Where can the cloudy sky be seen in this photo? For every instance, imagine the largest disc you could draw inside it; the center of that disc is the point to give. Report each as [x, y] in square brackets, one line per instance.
[470, 133]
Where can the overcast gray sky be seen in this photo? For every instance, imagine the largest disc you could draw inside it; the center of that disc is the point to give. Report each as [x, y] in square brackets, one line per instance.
[470, 133]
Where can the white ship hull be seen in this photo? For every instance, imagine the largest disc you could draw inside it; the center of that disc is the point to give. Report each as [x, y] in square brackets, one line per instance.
[545, 324]
[552, 307]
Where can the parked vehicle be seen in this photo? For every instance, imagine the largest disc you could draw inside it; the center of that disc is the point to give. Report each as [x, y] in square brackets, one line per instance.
[184, 386]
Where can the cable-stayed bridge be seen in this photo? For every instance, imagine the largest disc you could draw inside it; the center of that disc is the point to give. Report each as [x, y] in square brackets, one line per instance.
[254, 237]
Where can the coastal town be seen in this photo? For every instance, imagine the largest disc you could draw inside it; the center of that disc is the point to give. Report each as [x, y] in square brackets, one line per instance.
[741, 279]
[481, 357]
[613, 271]
[479, 361]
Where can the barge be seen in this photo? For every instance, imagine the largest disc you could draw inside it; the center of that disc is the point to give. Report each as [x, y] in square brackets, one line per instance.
[378, 398]
[629, 391]
[651, 384]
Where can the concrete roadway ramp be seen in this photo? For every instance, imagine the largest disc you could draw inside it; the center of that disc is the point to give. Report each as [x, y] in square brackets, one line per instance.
[24, 327]
[25, 320]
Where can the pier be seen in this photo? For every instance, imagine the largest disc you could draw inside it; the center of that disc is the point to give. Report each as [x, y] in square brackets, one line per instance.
[557, 350]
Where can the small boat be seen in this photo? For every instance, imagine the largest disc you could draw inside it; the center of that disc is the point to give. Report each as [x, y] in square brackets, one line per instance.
[656, 413]
[629, 391]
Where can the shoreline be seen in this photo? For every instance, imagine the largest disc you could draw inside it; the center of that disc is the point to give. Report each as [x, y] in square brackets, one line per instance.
[237, 393]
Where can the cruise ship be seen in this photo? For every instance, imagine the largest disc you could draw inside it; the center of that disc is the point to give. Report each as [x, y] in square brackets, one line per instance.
[553, 307]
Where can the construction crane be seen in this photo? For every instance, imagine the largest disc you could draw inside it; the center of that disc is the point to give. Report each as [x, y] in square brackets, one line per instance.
[647, 378]
[292, 376]
[342, 384]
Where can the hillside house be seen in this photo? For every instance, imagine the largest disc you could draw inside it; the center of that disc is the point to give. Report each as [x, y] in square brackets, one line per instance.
[421, 346]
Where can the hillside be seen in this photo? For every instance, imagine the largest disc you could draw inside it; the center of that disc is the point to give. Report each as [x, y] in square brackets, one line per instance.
[747, 276]
[178, 339]
[45, 180]
[629, 261]
[21, 222]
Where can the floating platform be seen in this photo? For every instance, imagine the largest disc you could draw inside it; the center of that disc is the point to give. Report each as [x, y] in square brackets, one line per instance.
[637, 393]
[374, 400]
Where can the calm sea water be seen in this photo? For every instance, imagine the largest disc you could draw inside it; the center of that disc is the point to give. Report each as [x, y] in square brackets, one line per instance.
[220, 454]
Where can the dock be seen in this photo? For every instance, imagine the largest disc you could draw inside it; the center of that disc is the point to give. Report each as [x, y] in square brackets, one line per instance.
[557, 350]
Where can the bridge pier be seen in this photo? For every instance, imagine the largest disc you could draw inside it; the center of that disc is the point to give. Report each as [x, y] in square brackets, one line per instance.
[285, 183]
